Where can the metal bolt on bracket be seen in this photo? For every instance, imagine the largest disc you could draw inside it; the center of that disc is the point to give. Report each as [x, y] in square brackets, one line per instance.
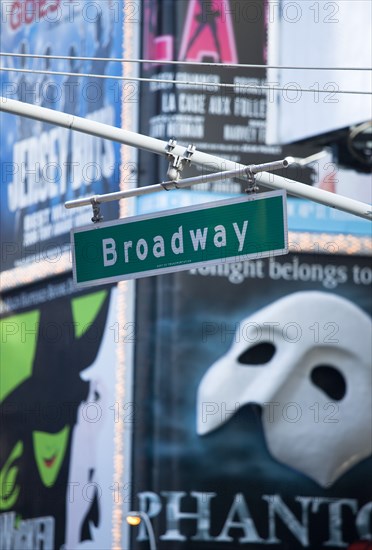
[176, 164]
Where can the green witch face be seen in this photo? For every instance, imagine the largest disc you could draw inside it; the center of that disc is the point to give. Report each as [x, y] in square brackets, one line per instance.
[50, 450]
[29, 380]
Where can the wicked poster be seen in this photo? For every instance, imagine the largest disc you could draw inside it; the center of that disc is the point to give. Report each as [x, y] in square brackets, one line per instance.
[253, 406]
[57, 432]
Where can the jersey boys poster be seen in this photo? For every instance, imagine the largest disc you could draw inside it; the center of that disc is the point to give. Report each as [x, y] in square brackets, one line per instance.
[253, 394]
[45, 165]
[57, 442]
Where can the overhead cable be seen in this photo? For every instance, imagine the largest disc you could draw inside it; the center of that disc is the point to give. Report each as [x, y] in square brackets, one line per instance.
[291, 87]
[187, 63]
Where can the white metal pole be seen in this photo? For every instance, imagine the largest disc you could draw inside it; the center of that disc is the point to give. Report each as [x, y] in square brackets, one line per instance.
[199, 158]
[168, 185]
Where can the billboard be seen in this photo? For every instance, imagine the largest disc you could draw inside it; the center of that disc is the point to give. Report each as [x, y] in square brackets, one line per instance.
[209, 86]
[253, 405]
[335, 36]
[202, 91]
[45, 165]
[58, 382]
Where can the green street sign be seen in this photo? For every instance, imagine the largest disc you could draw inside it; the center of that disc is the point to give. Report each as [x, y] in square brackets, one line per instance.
[232, 230]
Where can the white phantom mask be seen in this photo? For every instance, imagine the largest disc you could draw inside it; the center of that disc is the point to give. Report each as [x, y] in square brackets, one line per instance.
[305, 360]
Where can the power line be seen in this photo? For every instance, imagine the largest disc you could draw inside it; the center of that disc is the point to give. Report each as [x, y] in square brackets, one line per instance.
[290, 87]
[187, 63]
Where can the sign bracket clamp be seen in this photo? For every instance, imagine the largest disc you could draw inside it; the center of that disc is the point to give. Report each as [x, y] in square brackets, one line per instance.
[96, 206]
[176, 164]
[251, 177]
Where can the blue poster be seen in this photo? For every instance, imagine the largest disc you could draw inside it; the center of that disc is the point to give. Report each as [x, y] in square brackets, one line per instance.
[44, 165]
[252, 388]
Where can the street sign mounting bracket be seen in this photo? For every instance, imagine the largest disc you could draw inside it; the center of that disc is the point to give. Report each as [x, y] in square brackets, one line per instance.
[96, 206]
[251, 177]
[176, 164]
